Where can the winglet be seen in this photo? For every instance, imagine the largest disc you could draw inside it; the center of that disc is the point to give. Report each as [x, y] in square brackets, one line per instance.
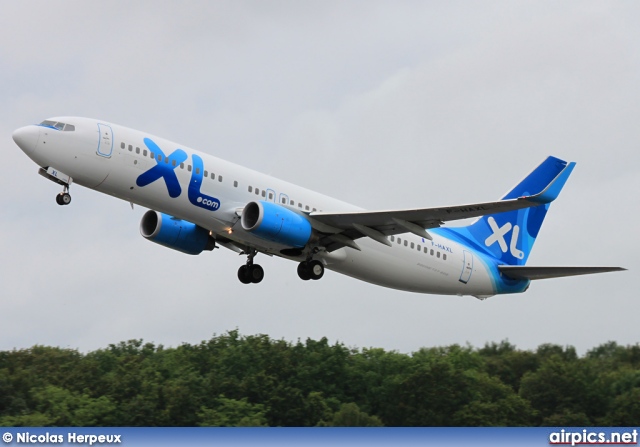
[551, 192]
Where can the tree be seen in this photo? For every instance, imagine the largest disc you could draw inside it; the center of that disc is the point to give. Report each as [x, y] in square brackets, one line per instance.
[233, 413]
[60, 407]
[428, 397]
[350, 415]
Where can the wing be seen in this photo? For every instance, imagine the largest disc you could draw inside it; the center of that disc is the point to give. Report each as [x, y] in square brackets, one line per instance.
[343, 228]
[525, 272]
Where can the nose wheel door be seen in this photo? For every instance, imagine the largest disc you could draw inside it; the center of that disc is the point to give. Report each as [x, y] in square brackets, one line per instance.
[64, 198]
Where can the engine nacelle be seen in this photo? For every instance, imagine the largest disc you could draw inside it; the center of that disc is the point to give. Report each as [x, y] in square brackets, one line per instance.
[276, 223]
[175, 233]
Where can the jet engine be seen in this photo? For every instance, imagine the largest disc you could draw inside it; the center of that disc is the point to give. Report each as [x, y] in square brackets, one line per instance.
[276, 223]
[175, 233]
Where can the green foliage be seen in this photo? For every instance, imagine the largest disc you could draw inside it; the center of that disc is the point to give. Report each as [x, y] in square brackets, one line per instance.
[233, 413]
[56, 406]
[236, 380]
[350, 415]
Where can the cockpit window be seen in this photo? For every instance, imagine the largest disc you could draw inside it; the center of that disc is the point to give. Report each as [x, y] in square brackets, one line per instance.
[58, 126]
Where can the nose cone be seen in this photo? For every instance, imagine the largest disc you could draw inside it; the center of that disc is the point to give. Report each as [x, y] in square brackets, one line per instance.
[26, 138]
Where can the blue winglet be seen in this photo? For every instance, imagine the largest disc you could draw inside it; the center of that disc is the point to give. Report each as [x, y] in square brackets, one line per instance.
[551, 192]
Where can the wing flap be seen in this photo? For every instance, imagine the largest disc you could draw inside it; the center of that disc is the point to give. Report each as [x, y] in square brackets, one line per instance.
[533, 273]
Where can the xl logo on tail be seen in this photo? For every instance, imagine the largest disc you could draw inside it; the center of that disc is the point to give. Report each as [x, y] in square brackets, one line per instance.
[499, 234]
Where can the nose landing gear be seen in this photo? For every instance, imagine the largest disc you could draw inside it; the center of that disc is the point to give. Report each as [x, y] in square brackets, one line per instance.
[64, 198]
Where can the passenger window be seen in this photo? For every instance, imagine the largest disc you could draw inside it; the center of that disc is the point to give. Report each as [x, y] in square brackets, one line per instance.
[270, 195]
[419, 247]
[432, 252]
[425, 250]
[144, 153]
[284, 201]
[306, 207]
[314, 210]
[438, 255]
[220, 178]
[292, 202]
[406, 243]
[197, 171]
[257, 191]
[264, 193]
[392, 238]
[444, 257]
[250, 188]
[174, 163]
[235, 183]
[299, 205]
[412, 245]
[399, 241]
[137, 150]
[189, 168]
[159, 157]
[152, 155]
[206, 173]
[181, 165]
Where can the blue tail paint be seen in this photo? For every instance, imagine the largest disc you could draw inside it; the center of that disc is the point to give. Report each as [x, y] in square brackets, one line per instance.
[508, 237]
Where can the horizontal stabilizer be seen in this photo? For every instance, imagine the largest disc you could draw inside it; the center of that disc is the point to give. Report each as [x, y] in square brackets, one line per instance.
[526, 272]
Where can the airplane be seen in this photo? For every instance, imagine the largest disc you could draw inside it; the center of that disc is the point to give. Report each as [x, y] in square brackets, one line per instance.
[198, 202]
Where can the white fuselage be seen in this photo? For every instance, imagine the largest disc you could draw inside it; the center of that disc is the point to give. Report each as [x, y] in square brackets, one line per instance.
[110, 158]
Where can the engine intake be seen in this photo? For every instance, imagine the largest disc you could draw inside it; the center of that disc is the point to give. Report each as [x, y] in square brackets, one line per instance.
[276, 223]
[175, 233]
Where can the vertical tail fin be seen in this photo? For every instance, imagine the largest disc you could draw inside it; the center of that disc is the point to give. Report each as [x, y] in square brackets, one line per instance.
[510, 236]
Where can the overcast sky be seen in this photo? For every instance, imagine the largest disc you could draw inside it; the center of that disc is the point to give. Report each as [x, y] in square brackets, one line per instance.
[381, 104]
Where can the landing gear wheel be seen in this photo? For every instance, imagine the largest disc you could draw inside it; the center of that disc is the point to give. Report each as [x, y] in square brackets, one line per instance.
[250, 272]
[315, 269]
[64, 198]
[243, 274]
[256, 273]
[303, 271]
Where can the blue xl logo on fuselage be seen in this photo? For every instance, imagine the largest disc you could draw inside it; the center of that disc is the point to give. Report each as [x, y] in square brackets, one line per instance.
[165, 169]
[195, 196]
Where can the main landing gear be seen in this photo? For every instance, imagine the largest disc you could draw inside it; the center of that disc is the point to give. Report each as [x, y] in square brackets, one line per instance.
[64, 198]
[250, 273]
[310, 270]
[253, 273]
